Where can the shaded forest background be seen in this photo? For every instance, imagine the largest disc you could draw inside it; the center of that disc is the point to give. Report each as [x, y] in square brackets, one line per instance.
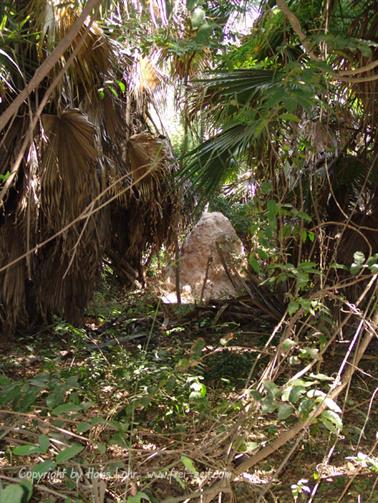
[119, 123]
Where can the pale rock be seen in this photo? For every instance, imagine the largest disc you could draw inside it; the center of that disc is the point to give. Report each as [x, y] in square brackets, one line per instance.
[212, 238]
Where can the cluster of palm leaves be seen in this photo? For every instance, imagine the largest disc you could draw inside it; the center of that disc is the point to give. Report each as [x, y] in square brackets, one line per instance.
[73, 187]
[299, 115]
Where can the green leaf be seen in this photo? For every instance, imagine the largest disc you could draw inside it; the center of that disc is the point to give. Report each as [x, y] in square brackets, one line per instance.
[296, 393]
[266, 187]
[83, 427]
[374, 268]
[262, 254]
[321, 397]
[271, 388]
[27, 450]
[44, 443]
[138, 498]
[284, 411]
[311, 236]
[69, 453]
[290, 117]
[101, 447]
[66, 407]
[273, 208]
[43, 467]
[358, 258]
[16, 493]
[293, 307]
[189, 465]
[372, 260]
[204, 35]
[121, 85]
[288, 344]
[305, 407]
[254, 264]
[355, 269]
[268, 406]
[331, 421]
[190, 4]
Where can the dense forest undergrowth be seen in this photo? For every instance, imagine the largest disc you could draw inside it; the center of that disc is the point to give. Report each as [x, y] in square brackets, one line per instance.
[121, 122]
[151, 401]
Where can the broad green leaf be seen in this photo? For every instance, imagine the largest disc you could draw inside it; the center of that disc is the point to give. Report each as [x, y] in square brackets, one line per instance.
[293, 307]
[331, 421]
[272, 207]
[286, 393]
[332, 405]
[290, 117]
[321, 397]
[305, 407]
[268, 406]
[40, 380]
[14, 493]
[98, 420]
[27, 450]
[262, 254]
[296, 393]
[204, 34]
[372, 260]
[83, 427]
[43, 467]
[69, 453]
[101, 447]
[266, 187]
[355, 269]
[284, 411]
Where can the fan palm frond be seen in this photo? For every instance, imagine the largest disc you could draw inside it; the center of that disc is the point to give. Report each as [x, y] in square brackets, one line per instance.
[68, 162]
[232, 102]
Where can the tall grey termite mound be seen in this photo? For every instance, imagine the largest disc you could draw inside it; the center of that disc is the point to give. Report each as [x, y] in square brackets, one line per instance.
[209, 255]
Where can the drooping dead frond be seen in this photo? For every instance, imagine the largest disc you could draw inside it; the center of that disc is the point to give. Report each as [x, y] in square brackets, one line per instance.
[150, 217]
[79, 157]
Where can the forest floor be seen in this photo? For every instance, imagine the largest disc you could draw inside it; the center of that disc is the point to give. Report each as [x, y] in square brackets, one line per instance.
[148, 402]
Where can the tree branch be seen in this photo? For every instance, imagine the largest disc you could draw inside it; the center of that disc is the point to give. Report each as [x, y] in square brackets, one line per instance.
[295, 24]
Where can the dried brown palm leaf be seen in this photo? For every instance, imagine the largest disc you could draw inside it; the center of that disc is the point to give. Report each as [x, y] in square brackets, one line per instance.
[94, 60]
[150, 217]
[68, 167]
[67, 270]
